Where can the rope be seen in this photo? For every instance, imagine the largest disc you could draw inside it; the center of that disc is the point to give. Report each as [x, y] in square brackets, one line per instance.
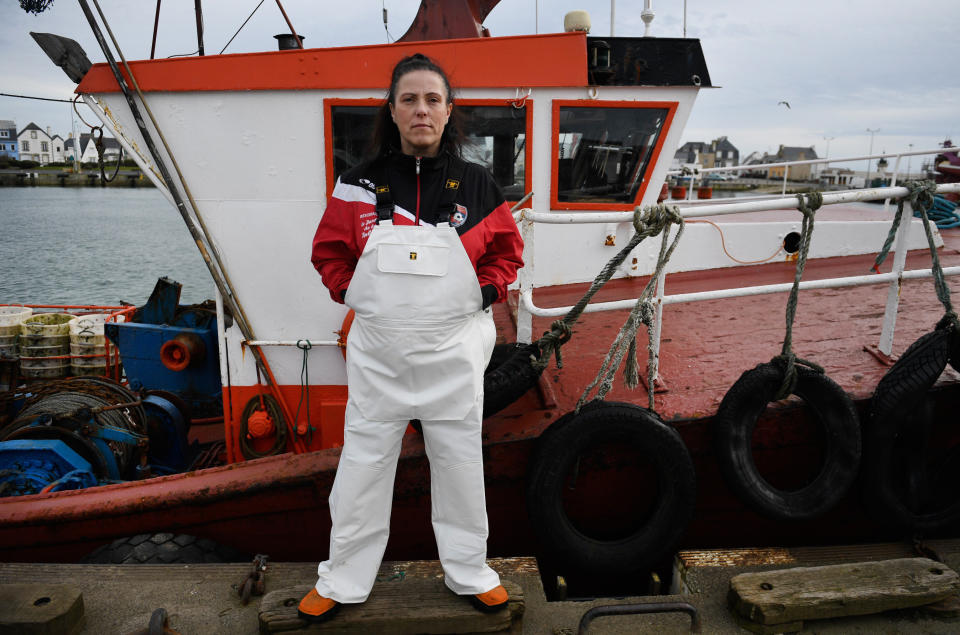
[100, 149]
[304, 345]
[268, 404]
[808, 205]
[652, 220]
[922, 200]
[648, 222]
[920, 194]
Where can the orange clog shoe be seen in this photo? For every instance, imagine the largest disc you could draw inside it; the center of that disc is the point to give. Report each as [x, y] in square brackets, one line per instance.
[315, 608]
[491, 601]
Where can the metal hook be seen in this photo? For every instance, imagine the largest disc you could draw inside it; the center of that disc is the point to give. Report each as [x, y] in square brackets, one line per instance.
[518, 101]
[593, 92]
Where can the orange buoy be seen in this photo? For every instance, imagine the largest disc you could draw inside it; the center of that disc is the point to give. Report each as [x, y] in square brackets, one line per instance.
[705, 192]
[678, 192]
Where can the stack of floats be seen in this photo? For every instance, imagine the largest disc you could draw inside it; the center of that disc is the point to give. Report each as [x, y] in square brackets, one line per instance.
[44, 345]
[10, 318]
[53, 345]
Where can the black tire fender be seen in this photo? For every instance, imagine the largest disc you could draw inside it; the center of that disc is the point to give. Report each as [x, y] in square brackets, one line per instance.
[163, 548]
[508, 376]
[556, 454]
[896, 426]
[736, 420]
[903, 386]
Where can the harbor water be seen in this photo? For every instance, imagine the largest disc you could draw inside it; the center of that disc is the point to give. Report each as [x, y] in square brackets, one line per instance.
[94, 246]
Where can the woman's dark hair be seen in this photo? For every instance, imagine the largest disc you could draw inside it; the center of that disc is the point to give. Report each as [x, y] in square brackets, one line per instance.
[386, 135]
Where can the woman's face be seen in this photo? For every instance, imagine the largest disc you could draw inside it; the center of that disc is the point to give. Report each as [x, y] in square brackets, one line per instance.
[421, 111]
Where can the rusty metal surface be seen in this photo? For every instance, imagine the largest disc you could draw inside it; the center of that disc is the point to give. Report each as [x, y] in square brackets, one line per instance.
[448, 19]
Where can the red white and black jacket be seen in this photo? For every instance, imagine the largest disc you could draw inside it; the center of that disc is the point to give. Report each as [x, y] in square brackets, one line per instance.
[482, 218]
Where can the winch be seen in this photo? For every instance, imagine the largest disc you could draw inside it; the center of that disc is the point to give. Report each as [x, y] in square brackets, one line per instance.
[88, 431]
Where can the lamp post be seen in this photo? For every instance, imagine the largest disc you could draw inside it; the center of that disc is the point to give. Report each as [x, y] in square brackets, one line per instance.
[824, 166]
[872, 132]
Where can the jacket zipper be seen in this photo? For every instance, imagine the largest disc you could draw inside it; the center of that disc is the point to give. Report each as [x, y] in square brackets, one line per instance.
[418, 191]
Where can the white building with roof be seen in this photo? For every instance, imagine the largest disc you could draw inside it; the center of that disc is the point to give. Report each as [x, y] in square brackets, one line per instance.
[8, 139]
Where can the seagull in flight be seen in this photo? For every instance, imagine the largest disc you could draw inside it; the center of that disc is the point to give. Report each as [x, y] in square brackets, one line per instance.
[785, 103]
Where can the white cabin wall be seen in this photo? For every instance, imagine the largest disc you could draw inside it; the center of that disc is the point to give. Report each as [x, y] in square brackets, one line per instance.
[254, 162]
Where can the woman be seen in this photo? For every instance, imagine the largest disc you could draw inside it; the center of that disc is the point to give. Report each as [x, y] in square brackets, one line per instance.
[419, 244]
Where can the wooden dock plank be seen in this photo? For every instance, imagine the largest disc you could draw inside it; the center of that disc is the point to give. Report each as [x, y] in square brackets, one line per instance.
[406, 606]
[40, 609]
[792, 595]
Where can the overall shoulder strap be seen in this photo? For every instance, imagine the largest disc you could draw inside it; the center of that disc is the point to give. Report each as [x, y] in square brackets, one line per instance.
[451, 187]
[385, 204]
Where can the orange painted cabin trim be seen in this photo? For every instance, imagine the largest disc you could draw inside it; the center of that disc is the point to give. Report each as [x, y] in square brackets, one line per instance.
[329, 104]
[470, 63]
[555, 203]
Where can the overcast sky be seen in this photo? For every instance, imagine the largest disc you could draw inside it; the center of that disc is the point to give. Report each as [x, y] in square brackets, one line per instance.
[843, 65]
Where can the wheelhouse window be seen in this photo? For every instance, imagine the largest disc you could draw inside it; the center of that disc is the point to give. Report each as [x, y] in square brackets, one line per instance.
[495, 136]
[603, 153]
[496, 139]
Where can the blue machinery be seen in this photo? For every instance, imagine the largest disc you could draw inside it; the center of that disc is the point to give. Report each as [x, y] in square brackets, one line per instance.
[81, 432]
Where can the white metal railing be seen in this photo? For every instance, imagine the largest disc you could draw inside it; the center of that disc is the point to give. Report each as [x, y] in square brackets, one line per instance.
[527, 309]
[786, 165]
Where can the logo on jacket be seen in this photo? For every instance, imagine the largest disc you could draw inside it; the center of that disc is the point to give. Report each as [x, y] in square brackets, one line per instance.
[459, 216]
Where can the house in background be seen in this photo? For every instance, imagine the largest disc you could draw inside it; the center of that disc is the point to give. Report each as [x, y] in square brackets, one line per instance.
[790, 153]
[88, 149]
[56, 148]
[725, 154]
[692, 153]
[35, 144]
[841, 176]
[719, 153]
[8, 139]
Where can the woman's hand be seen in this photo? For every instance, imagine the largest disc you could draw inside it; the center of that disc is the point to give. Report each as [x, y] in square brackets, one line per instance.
[489, 293]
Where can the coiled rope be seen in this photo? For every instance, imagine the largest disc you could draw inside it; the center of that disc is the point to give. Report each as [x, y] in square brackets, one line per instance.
[808, 204]
[75, 401]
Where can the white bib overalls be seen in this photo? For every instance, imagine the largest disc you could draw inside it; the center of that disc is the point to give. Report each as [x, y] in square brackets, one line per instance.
[417, 350]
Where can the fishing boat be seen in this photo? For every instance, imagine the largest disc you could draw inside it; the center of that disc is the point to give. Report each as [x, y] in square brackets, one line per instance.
[588, 125]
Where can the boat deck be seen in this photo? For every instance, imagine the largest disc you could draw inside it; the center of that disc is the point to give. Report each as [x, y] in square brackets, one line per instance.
[706, 345]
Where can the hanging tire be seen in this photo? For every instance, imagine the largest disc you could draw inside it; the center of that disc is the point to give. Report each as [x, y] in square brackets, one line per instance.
[163, 548]
[954, 339]
[736, 420]
[908, 380]
[508, 376]
[562, 460]
[899, 488]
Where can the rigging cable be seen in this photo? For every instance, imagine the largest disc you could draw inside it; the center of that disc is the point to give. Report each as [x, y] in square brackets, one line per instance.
[383, 4]
[240, 29]
[40, 98]
[211, 257]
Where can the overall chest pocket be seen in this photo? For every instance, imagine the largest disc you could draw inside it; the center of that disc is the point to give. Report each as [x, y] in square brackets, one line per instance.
[420, 260]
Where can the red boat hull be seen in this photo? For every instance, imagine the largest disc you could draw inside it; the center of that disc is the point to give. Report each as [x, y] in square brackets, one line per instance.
[278, 505]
